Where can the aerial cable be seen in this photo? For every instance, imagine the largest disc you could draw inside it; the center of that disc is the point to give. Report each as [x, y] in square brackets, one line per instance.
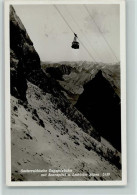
[101, 33]
[79, 28]
[73, 32]
[63, 18]
[87, 50]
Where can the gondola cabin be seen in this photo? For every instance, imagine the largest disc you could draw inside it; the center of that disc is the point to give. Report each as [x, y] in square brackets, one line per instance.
[75, 45]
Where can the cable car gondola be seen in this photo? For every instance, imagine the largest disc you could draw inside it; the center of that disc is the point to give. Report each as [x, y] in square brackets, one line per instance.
[75, 43]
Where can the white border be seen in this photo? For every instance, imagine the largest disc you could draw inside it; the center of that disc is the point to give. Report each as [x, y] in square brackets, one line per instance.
[123, 96]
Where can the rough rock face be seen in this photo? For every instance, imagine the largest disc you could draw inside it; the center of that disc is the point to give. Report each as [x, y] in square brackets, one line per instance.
[25, 65]
[43, 137]
[17, 77]
[101, 106]
[51, 86]
[23, 56]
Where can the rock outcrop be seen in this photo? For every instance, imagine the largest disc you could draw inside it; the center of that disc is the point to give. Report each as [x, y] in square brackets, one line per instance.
[23, 58]
[101, 106]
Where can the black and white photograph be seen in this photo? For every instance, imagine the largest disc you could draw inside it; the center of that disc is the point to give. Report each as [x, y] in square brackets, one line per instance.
[65, 90]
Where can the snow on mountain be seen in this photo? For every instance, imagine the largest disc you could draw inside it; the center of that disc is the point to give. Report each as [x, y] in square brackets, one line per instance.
[43, 137]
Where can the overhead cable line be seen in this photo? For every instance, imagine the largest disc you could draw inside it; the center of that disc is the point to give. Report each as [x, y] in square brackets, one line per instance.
[101, 33]
[63, 18]
[87, 50]
[73, 32]
[79, 27]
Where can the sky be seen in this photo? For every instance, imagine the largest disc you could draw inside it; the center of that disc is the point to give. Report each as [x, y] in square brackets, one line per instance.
[50, 29]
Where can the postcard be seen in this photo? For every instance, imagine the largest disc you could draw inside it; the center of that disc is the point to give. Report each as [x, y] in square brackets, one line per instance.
[65, 93]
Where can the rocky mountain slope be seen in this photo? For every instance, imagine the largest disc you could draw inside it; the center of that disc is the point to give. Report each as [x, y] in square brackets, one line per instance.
[101, 106]
[95, 90]
[23, 57]
[43, 137]
[47, 130]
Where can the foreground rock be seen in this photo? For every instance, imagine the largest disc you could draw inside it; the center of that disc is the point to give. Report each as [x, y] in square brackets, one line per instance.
[101, 106]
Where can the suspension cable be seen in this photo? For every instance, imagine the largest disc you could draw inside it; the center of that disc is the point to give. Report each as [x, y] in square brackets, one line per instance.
[101, 32]
[80, 29]
[73, 32]
[87, 51]
[63, 18]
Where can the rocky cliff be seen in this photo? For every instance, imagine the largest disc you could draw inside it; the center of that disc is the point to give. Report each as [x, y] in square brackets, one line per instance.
[23, 56]
[101, 106]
